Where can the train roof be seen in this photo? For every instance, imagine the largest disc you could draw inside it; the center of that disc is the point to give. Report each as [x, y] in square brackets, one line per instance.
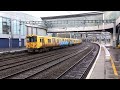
[51, 37]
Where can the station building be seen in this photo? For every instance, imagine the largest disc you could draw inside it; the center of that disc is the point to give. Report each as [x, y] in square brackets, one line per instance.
[69, 25]
[66, 22]
[13, 31]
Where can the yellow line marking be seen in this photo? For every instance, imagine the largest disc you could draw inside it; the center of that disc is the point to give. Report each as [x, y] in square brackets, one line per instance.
[113, 66]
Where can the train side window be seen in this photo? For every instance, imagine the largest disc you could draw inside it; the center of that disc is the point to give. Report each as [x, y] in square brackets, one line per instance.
[40, 40]
[53, 40]
[58, 40]
[49, 40]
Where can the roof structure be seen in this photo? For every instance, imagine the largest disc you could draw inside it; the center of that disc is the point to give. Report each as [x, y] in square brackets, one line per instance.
[74, 15]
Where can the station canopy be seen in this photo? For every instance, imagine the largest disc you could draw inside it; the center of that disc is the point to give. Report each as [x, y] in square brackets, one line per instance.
[73, 19]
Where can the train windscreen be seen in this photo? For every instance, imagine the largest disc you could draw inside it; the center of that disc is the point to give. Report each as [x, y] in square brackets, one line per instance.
[31, 39]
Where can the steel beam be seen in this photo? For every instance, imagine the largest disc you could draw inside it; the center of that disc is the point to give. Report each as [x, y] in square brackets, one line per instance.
[114, 35]
[20, 34]
[47, 24]
[118, 35]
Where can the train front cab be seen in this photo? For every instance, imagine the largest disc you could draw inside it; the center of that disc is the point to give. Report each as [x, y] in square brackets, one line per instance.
[34, 43]
[31, 43]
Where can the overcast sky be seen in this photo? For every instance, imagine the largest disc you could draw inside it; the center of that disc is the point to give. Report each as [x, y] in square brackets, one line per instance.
[53, 13]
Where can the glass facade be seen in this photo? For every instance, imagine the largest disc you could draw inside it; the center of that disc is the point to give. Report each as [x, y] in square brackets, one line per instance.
[11, 27]
[7, 25]
[18, 27]
[112, 14]
[0, 25]
[22, 28]
[14, 27]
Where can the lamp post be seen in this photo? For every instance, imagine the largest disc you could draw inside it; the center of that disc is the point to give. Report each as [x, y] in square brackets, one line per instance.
[10, 34]
[103, 20]
[20, 34]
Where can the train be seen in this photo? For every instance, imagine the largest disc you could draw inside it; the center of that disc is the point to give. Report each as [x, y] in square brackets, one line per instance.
[36, 43]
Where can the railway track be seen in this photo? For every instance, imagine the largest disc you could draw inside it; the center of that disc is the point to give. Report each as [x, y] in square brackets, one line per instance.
[80, 69]
[22, 61]
[30, 58]
[58, 71]
[49, 65]
[12, 56]
[12, 69]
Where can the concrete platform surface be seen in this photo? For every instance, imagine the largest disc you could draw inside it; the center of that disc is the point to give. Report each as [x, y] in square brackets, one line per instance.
[98, 71]
[115, 56]
[103, 68]
[4, 50]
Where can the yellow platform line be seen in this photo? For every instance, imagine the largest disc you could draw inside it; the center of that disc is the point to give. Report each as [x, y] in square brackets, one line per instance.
[113, 66]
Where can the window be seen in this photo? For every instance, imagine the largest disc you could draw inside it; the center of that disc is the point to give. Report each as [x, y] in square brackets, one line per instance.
[6, 24]
[14, 26]
[57, 40]
[22, 28]
[25, 29]
[53, 40]
[49, 40]
[40, 40]
[4, 19]
[31, 39]
[18, 26]
[34, 31]
[0, 24]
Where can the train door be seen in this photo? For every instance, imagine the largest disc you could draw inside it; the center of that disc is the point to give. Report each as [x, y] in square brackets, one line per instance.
[53, 41]
[43, 42]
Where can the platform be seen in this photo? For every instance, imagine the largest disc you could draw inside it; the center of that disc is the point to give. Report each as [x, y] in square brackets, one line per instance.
[6, 50]
[103, 67]
[115, 56]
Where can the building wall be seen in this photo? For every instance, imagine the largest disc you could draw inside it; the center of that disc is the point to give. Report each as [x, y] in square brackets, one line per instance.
[36, 31]
[4, 42]
[11, 29]
[41, 32]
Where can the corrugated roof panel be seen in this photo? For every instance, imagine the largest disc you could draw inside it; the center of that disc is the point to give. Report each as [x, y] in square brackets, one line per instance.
[19, 16]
